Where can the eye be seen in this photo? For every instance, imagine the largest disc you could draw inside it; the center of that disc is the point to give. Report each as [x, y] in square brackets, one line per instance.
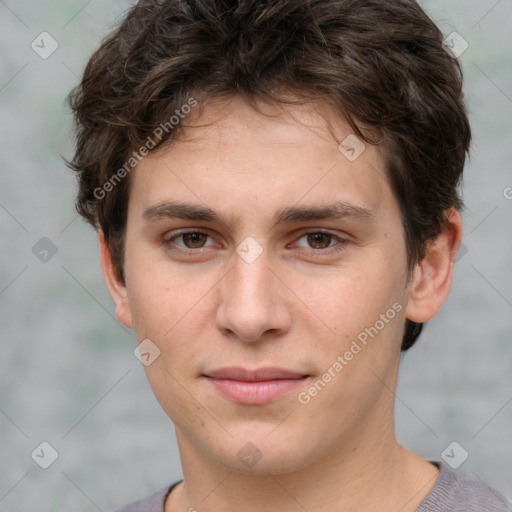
[191, 239]
[323, 242]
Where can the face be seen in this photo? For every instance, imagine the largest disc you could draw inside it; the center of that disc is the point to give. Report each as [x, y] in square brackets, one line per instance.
[255, 242]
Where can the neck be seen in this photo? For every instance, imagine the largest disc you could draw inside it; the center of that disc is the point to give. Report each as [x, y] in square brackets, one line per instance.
[366, 472]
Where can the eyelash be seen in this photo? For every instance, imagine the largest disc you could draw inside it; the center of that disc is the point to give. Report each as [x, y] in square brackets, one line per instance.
[339, 247]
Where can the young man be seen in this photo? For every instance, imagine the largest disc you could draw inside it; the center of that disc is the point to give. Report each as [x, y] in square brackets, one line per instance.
[274, 185]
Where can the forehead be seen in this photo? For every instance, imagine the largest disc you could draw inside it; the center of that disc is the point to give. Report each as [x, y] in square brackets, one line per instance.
[231, 156]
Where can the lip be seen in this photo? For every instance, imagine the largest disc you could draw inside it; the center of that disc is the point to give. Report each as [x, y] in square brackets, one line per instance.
[255, 387]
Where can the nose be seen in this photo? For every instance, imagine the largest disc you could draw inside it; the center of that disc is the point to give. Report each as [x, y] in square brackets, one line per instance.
[253, 302]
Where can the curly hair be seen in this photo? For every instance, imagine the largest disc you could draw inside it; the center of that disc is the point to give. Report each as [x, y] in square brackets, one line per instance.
[381, 64]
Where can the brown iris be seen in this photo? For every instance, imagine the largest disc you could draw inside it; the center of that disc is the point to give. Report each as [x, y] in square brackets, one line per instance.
[324, 239]
[195, 239]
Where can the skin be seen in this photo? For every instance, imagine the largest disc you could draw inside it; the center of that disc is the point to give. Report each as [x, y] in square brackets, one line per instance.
[294, 307]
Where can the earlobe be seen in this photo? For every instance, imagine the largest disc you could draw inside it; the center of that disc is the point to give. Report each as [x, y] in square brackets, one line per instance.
[115, 285]
[432, 277]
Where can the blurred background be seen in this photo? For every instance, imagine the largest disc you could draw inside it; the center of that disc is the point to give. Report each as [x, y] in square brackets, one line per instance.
[68, 376]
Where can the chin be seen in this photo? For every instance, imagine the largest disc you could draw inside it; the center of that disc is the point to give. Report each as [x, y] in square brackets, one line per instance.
[272, 465]
[260, 455]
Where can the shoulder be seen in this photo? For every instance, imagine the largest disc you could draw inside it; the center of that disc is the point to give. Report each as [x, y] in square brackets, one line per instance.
[456, 493]
[152, 503]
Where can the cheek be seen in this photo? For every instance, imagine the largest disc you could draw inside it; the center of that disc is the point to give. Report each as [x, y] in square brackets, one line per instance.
[347, 300]
[154, 293]
[365, 309]
[169, 306]
[162, 306]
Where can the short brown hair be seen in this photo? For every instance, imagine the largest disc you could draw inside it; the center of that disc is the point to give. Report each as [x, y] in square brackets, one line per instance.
[381, 63]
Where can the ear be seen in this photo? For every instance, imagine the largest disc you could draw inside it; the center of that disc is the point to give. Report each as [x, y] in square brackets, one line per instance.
[432, 277]
[114, 283]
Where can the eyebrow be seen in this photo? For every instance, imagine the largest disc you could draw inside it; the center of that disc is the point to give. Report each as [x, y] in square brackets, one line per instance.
[336, 211]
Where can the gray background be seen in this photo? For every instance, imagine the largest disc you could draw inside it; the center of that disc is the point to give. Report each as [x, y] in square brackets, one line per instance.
[67, 371]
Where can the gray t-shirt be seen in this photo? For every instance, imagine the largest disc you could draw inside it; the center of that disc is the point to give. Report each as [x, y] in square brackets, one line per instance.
[451, 493]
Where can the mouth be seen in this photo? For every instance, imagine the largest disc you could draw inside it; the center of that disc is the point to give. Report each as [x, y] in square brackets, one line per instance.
[254, 387]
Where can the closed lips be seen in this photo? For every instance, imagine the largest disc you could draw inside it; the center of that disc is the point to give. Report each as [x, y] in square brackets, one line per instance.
[257, 375]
